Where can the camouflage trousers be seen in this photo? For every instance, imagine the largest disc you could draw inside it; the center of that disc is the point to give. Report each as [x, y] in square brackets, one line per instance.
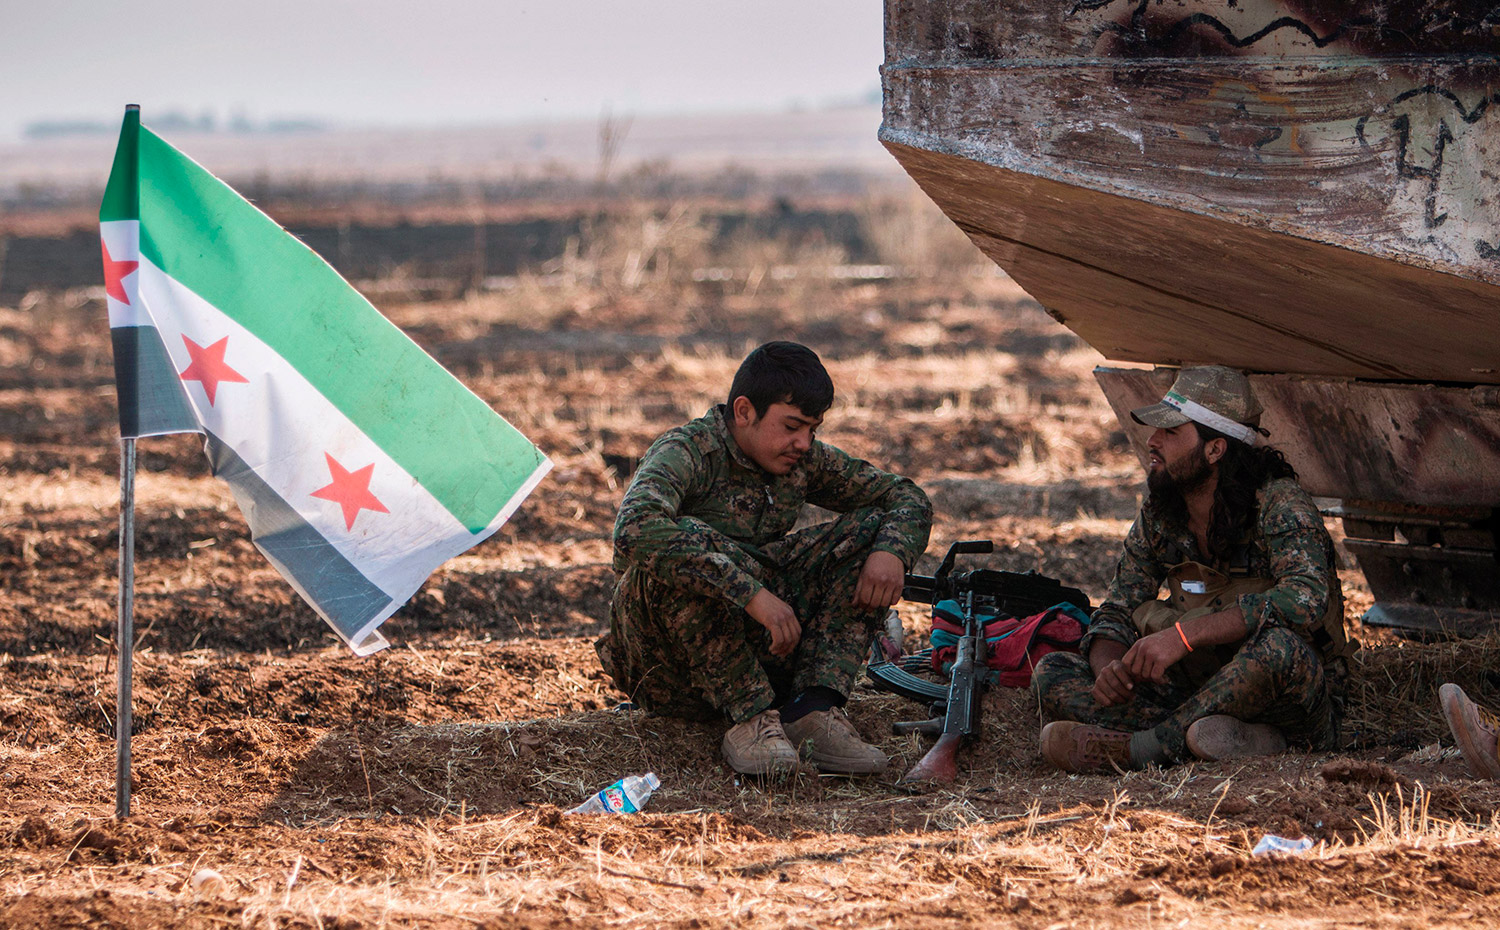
[683, 654]
[1274, 677]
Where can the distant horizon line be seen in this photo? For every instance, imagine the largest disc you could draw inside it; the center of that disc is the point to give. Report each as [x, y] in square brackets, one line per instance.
[207, 123]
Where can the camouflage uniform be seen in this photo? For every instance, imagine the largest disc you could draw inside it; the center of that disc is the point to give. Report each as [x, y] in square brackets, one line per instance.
[1283, 673]
[703, 528]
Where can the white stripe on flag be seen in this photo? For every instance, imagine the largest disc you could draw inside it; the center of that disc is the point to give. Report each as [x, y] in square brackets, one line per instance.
[123, 239]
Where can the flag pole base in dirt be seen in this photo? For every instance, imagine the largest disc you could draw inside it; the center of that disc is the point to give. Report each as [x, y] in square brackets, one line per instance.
[125, 632]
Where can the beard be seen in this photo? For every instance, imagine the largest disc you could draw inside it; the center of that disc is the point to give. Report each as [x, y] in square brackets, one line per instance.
[1169, 485]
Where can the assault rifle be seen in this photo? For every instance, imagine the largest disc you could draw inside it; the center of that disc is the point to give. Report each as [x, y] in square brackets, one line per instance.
[955, 707]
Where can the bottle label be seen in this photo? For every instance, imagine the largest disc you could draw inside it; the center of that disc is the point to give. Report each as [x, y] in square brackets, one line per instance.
[614, 799]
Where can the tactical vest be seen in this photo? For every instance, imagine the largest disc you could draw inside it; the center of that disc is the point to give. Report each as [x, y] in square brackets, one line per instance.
[1196, 590]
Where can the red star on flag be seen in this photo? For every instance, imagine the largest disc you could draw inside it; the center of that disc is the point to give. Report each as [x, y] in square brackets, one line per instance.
[114, 273]
[350, 490]
[208, 367]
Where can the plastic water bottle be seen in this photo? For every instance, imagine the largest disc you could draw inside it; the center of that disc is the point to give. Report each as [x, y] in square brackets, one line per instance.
[626, 796]
[1271, 845]
[894, 631]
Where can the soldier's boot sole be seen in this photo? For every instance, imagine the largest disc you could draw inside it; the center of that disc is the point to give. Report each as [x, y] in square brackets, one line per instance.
[870, 763]
[767, 764]
[1475, 739]
[1221, 736]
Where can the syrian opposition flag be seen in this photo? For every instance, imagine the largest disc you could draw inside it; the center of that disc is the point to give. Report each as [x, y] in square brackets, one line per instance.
[360, 463]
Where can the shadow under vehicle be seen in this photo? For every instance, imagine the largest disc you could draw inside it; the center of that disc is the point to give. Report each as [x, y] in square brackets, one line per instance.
[1309, 191]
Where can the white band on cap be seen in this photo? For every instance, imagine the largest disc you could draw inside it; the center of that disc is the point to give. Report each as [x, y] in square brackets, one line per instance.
[1201, 414]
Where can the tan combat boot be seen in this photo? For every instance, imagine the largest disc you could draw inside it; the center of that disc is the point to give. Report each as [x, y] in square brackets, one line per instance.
[1085, 748]
[759, 746]
[831, 743]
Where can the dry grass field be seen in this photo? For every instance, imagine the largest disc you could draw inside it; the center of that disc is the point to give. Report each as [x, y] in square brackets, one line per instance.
[424, 787]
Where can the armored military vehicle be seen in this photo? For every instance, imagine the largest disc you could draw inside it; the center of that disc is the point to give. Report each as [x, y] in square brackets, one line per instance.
[1309, 191]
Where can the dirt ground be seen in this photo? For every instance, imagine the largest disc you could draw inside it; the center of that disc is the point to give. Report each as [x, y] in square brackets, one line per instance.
[424, 787]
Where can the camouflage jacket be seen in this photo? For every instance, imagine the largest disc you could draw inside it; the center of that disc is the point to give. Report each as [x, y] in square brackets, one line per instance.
[696, 497]
[1288, 545]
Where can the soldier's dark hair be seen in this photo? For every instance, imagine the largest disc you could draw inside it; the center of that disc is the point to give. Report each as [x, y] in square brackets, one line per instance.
[1243, 470]
[783, 373]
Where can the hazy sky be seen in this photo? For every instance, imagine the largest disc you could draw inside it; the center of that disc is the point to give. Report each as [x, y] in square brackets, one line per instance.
[428, 61]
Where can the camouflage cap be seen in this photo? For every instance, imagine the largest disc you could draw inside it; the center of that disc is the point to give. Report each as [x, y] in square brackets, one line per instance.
[1217, 397]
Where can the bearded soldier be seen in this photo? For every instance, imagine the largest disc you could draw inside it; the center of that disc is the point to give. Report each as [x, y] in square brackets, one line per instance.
[722, 610]
[1247, 651]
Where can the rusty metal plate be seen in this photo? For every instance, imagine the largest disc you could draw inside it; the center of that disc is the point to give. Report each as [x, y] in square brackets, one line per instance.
[1429, 577]
[1423, 622]
[1419, 444]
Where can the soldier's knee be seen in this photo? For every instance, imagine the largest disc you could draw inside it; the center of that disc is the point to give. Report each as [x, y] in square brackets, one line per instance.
[1277, 645]
[1056, 667]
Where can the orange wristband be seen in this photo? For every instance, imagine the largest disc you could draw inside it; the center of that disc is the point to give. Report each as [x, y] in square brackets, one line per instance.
[1184, 637]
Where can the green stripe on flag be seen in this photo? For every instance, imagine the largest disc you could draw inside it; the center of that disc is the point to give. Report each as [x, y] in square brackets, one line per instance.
[217, 245]
[122, 196]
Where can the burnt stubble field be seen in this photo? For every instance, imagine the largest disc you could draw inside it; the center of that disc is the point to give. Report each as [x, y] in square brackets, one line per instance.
[424, 786]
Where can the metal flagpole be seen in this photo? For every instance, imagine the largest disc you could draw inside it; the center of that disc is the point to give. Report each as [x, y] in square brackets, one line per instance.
[125, 633]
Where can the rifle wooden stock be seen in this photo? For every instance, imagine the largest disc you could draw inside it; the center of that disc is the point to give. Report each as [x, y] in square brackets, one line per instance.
[940, 765]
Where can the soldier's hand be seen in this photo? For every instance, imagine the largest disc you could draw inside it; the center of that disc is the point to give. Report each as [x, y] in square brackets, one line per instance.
[1152, 655]
[1113, 685]
[775, 615]
[880, 581]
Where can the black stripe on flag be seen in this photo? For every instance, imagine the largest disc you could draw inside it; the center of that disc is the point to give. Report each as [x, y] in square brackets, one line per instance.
[319, 572]
[151, 398]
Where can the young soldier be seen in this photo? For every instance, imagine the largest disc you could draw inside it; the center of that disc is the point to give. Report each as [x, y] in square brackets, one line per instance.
[1248, 650]
[721, 608]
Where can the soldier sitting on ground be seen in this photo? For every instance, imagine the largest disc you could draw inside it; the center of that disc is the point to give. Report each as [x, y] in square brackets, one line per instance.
[722, 609]
[1248, 650]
